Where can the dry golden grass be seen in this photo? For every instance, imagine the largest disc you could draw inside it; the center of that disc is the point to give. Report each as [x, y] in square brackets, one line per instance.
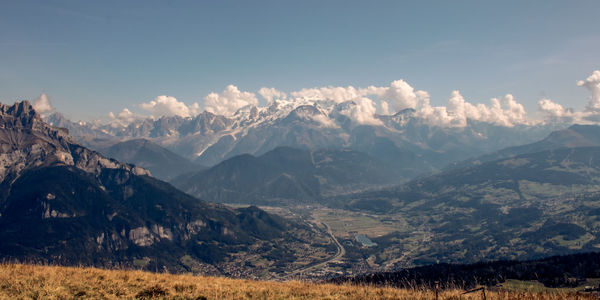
[19, 281]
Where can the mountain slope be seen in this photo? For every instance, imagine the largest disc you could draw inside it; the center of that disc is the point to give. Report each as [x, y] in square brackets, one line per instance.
[288, 175]
[557, 271]
[527, 206]
[162, 163]
[62, 203]
[572, 137]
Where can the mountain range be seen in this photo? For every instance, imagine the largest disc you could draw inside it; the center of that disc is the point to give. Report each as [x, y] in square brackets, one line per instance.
[420, 183]
[63, 203]
[209, 139]
[289, 176]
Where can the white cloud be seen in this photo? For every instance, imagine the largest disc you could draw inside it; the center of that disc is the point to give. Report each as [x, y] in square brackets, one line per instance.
[125, 114]
[324, 120]
[385, 108]
[396, 96]
[229, 101]
[271, 94]
[338, 94]
[42, 104]
[123, 118]
[401, 95]
[363, 112]
[552, 111]
[169, 106]
[458, 112]
[592, 83]
[514, 112]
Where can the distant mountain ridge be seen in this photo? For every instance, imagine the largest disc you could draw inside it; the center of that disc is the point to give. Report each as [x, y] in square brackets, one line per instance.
[527, 206]
[289, 175]
[572, 137]
[162, 163]
[209, 139]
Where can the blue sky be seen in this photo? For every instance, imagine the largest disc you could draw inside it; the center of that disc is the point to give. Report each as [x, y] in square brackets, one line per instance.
[92, 57]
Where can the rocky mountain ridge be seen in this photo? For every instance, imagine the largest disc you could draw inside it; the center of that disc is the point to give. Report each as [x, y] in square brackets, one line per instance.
[309, 124]
[27, 142]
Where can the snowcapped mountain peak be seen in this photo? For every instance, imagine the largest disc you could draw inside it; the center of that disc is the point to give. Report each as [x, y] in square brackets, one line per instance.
[306, 123]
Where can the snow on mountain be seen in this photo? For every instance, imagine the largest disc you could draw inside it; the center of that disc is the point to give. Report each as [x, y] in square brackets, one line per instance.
[310, 124]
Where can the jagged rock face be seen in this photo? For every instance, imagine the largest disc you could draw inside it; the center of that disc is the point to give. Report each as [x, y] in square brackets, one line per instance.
[26, 142]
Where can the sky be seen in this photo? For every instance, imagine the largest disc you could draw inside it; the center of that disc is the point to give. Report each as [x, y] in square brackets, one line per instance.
[95, 57]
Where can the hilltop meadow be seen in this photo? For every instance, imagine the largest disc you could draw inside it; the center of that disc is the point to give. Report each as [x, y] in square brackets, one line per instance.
[19, 281]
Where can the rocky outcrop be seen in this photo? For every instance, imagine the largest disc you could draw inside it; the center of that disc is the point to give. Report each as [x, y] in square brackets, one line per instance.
[26, 141]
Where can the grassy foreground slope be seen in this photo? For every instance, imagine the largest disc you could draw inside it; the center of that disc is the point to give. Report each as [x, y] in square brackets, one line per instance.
[50, 282]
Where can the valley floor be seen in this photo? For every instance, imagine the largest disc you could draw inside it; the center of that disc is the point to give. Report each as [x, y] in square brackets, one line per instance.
[19, 281]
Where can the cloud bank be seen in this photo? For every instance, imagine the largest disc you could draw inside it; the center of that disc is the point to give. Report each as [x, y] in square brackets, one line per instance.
[366, 104]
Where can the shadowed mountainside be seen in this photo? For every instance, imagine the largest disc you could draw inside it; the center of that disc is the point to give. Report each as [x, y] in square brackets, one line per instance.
[162, 163]
[288, 175]
[527, 206]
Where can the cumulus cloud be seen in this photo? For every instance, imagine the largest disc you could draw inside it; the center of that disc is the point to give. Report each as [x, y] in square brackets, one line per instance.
[169, 106]
[271, 94]
[386, 100]
[125, 114]
[401, 95]
[592, 83]
[513, 112]
[459, 111]
[363, 109]
[552, 111]
[42, 104]
[338, 94]
[229, 101]
[363, 112]
[123, 118]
